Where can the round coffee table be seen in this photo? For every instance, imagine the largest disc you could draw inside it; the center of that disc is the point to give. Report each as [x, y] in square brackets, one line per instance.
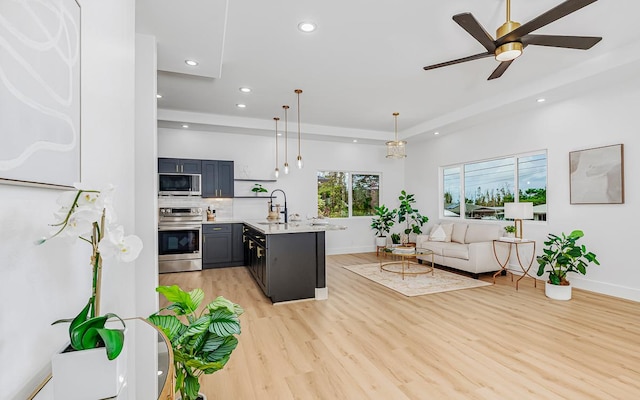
[408, 263]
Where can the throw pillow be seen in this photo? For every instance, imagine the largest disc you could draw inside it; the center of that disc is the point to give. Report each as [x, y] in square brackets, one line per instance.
[448, 230]
[437, 234]
[459, 232]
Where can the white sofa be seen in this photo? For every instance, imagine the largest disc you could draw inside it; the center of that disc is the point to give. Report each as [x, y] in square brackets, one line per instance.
[467, 247]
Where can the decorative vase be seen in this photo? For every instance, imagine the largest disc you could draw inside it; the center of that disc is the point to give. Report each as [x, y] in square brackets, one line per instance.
[88, 374]
[557, 292]
[381, 241]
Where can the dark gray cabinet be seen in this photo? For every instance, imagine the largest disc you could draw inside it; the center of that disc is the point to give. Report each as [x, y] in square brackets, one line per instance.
[179, 165]
[286, 266]
[220, 244]
[217, 178]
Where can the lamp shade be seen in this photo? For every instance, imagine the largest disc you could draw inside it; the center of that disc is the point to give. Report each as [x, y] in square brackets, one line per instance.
[522, 210]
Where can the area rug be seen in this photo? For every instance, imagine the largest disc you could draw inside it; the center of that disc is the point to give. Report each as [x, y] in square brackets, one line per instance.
[416, 285]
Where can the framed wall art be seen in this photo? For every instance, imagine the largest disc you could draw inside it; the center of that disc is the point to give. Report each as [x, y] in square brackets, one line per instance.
[40, 92]
[597, 175]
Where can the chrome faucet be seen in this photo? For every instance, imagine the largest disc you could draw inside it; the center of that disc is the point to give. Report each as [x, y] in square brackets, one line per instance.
[286, 213]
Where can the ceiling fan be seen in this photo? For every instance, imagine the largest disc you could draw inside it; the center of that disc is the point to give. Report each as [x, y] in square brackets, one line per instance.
[513, 37]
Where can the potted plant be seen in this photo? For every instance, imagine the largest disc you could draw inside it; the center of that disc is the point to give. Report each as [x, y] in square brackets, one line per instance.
[562, 255]
[382, 223]
[395, 239]
[409, 215]
[87, 214]
[511, 230]
[202, 341]
[257, 188]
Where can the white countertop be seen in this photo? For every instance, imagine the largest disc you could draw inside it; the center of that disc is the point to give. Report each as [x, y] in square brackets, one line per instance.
[292, 227]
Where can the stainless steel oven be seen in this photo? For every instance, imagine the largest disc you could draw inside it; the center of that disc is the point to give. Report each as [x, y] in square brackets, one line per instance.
[180, 239]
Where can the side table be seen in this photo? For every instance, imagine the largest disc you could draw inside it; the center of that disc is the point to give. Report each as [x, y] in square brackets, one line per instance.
[503, 266]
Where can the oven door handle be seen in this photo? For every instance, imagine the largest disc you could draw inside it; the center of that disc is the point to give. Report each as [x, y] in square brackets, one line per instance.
[179, 227]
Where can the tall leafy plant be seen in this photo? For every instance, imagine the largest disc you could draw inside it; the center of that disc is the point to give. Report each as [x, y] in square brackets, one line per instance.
[383, 220]
[202, 341]
[563, 255]
[410, 216]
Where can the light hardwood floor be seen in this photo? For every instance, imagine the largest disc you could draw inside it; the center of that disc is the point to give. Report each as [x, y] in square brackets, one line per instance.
[369, 342]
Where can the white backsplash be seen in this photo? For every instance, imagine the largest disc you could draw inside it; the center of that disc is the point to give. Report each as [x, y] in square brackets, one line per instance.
[223, 207]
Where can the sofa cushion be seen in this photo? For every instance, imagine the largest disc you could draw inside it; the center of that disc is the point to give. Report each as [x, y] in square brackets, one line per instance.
[482, 233]
[448, 230]
[436, 247]
[459, 232]
[456, 250]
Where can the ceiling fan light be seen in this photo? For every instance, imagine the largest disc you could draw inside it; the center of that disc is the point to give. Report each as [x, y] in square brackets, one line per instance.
[509, 51]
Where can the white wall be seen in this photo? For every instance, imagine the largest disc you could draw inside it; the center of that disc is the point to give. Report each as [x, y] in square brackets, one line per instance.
[43, 283]
[256, 155]
[599, 117]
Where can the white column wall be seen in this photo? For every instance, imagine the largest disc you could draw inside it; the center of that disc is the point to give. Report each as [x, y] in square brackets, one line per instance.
[43, 283]
[256, 155]
[600, 117]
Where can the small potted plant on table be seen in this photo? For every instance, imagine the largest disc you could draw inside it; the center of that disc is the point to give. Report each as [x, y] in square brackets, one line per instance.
[510, 230]
[563, 255]
[382, 224]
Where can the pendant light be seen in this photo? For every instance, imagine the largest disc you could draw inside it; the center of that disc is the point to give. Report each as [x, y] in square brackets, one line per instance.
[277, 170]
[286, 141]
[299, 159]
[396, 148]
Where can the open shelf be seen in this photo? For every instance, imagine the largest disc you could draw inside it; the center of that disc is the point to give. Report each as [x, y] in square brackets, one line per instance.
[256, 180]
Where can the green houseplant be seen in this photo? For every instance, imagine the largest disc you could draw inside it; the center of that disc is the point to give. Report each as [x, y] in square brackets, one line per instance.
[202, 341]
[409, 215]
[510, 229]
[382, 223]
[562, 255]
[257, 188]
[395, 238]
[87, 214]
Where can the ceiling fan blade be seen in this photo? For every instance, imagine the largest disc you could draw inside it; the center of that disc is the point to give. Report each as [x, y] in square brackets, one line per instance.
[546, 18]
[569, 42]
[459, 60]
[468, 22]
[497, 73]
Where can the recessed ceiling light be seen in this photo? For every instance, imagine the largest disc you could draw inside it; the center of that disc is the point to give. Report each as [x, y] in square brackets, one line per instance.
[307, 26]
[245, 90]
[541, 100]
[241, 105]
[436, 133]
[355, 140]
[279, 134]
[158, 96]
[185, 125]
[191, 62]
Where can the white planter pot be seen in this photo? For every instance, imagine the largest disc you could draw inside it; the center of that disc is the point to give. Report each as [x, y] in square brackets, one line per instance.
[381, 240]
[88, 374]
[557, 292]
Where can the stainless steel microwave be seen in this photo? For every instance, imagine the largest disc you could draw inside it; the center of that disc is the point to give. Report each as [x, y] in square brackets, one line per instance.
[179, 184]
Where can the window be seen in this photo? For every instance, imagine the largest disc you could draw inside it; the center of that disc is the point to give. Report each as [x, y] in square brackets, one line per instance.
[345, 194]
[487, 185]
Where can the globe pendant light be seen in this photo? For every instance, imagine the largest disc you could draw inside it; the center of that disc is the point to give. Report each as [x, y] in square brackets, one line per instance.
[277, 171]
[299, 159]
[396, 148]
[286, 141]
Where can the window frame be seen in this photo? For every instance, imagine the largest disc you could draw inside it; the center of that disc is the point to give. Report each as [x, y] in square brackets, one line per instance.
[350, 189]
[516, 183]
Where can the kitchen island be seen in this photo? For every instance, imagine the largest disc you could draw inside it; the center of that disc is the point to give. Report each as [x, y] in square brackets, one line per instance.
[287, 260]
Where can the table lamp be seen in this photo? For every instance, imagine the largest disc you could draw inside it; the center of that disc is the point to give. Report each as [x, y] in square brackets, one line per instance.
[518, 212]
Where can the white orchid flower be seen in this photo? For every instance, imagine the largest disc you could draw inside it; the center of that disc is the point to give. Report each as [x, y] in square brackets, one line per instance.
[115, 244]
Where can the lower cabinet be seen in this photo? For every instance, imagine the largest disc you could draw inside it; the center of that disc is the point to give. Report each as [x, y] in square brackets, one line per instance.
[222, 245]
[286, 266]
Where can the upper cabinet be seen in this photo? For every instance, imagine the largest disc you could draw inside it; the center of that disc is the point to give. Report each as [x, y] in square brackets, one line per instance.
[179, 165]
[217, 178]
